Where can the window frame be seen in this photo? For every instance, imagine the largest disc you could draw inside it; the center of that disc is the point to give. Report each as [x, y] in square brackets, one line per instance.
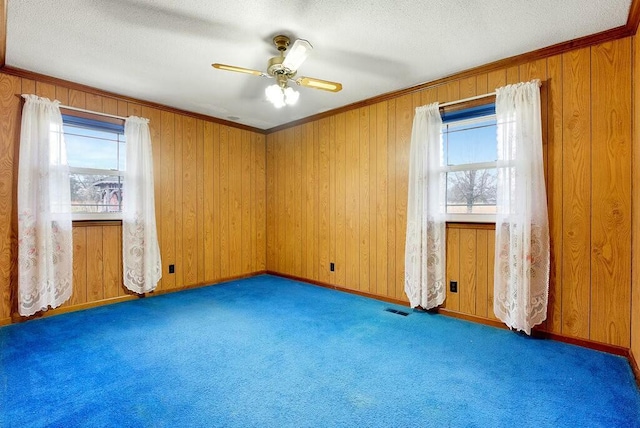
[479, 113]
[99, 123]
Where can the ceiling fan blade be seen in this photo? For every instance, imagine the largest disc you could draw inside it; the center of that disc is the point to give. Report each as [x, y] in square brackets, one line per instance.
[325, 85]
[297, 54]
[238, 69]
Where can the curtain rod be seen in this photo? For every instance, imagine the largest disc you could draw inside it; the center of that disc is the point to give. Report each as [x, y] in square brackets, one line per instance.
[477, 97]
[92, 112]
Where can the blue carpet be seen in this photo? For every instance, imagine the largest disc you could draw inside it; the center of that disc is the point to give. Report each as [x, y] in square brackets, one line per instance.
[270, 352]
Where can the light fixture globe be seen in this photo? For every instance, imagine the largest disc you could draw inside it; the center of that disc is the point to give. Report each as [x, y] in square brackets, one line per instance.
[280, 96]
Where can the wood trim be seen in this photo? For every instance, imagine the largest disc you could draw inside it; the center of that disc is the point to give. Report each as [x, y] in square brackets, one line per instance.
[634, 366]
[43, 78]
[3, 32]
[90, 223]
[338, 288]
[590, 344]
[634, 17]
[478, 226]
[16, 318]
[471, 318]
[593, 39]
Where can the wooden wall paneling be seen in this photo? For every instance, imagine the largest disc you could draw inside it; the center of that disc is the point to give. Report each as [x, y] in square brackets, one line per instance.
[449, 92]
[496, 79]
[46, 90]
[246, 203]
[189, 202]
[324, 201]
[305, 175]
[271, 202]
[200, 249]
[352, 238]
[109, 106]
[62, 95]
[635, 204]
[10, 105]
[340, 224]
[576, 146]
[217, 213]
[373, 202]
[452, 301]
[253, 205]
[482, 84]
[112, 260]
[364, 166]
[288, 167]
[94, 264]
[167, 199]
[155, 129]
[296, 206]
[392, 263]
[404, 122]
[28, 86]
[93, 102]
[428, 96]
[179, 209]
[611, 189]
[382, 196]
[261, 203]
[280, 202]
[491, 258]
[317, 202]
[310, 206]
[208, 202]
[513, 75]
[468, 261]
[78, 99]
[224, 179]
[482, 271]
[133, 109]
[555, 189]
[79, 294]
[468, 87]
[123, 108]
[235, 195]
[333, 201]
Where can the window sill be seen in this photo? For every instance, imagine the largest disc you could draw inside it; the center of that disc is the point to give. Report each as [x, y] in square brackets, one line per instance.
[96, 222]
[469, 225]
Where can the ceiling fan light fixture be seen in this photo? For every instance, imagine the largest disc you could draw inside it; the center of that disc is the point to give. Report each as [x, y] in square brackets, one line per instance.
[297, 54]
[280, 97]
[291, 96]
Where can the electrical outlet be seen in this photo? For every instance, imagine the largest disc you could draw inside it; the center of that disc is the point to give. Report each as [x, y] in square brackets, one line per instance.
[453, 286]
[332, 267]
[172, 268]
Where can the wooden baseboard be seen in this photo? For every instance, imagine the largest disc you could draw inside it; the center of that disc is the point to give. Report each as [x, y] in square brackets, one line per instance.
[16, 318]
[598, 346]
[338, 288]
[634, 366]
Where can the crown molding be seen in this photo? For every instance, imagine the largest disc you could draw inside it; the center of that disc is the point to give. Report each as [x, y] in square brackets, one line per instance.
[26, 74]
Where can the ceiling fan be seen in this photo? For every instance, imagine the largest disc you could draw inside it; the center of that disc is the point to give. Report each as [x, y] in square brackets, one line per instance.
[284, 68]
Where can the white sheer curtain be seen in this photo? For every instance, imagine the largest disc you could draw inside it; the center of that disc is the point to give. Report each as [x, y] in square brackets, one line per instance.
[424, 265]
[45, 248]
[142, 268]
[522, 228]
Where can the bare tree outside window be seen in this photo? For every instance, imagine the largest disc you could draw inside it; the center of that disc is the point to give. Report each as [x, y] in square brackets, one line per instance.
[471, 189]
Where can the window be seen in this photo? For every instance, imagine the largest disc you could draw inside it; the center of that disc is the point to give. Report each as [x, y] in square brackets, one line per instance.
[96, 157]
[470, 148]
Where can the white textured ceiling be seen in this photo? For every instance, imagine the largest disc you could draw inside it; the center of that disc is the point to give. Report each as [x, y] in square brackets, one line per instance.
[162, 50]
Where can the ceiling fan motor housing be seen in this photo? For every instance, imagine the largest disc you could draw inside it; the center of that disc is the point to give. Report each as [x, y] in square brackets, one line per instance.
[275, 68]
